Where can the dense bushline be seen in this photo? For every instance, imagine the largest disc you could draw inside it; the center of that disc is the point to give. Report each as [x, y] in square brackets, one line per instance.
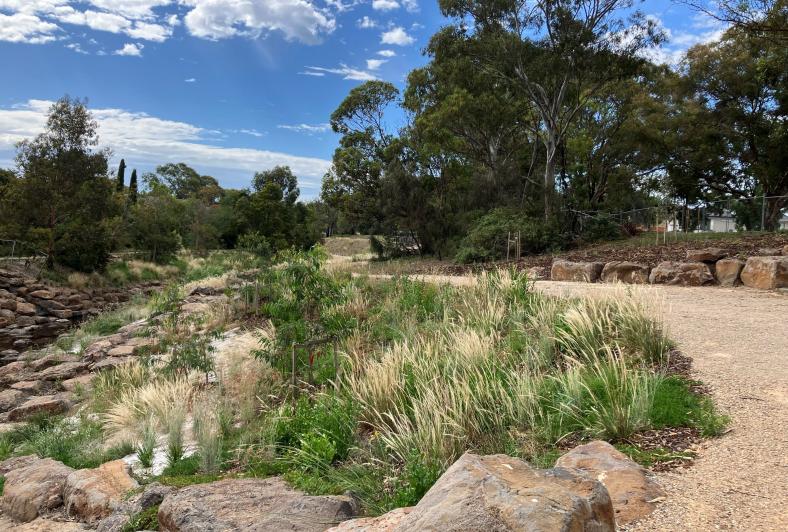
[520, 112]
[393, 380]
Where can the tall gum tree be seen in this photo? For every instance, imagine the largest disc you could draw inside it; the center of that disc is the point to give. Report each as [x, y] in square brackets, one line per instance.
[565, 52]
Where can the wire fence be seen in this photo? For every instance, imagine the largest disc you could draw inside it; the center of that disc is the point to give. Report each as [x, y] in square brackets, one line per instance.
[673, 220]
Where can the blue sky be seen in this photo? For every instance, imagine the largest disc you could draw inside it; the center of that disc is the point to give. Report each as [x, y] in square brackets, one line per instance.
[227, 86]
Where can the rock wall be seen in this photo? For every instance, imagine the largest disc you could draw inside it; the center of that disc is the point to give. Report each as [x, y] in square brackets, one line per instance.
[33, 313]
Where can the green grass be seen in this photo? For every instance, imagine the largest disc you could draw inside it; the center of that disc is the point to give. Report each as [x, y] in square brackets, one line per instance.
[675, 405]
[76, 443]
[651, 457]
[147, 519]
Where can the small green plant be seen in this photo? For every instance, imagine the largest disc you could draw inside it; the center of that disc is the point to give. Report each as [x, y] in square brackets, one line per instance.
[147, 519]
[175, 449]
[147, 446]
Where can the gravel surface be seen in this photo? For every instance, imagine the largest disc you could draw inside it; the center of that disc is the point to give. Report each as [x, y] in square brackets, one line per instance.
[738, 339]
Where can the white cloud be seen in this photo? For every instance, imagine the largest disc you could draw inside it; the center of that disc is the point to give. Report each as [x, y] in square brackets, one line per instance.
[374, 64]
[130, 49]
[76, 47]
[252, 132]
[397, 36]
[345, 71]
[309, 129]
[135, 9]
[387, 53]
[149, 32]
[672, 51]
[385, 5]
[190, 80]
[219, 19]
[26, 28]
[411, 6]
[367, 23]
[146, 141]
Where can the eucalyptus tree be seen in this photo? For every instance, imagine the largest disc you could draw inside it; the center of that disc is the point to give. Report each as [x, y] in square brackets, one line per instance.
[353, 183]
[564, 52]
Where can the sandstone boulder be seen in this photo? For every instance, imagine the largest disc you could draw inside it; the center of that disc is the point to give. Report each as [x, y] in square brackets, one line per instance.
[82, 382]
[728, 271]
[785, 249]
[681, 273]
[31, 387]
[61, 372]
[765, 273]
[10, 399]
[121, 351]
[40, 525]
[631, 488]
[388, 522]
[34, 489]
[25, 309]
[706, 255]
[501, 493]
[564, 270]
[625, 272]
[770, 252]
[250, 504]
[16, 462]
[92, 494]
[41, 294]
[50, 404]
[13, 372]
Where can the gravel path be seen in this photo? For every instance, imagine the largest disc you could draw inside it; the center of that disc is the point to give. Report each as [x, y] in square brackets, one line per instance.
[738, 339]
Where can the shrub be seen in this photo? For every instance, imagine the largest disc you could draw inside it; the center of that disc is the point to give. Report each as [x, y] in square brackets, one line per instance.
[324, 428]
[486, 239]
[600, 228]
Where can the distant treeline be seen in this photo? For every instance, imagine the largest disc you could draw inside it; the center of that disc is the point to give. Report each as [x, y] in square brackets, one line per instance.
[64, 200]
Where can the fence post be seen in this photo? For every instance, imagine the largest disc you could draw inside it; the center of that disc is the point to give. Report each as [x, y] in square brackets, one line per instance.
[336, 367]
[13, 247]
[293, 369]
[508, 243]
[763, 212]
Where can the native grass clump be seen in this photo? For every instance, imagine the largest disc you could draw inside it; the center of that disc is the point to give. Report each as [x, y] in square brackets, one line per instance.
[377, 385]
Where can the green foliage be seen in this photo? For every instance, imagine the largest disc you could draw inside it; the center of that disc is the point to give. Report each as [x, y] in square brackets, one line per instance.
[77, 443]
[486, 239]
[255, 243]
[676, 405]
[64, 202]
[147, 519]
[600, 228]
[317, 431]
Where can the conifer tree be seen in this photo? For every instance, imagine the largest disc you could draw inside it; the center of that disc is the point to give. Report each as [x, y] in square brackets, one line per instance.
[133, 187]
[121, 175]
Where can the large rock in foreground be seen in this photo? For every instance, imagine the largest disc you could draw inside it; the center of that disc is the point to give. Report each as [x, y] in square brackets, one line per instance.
[710, 255]
[681, 273]
[625, 272]
[34, 489]
[765, 273]
[631, 489]
[47, 404]
[251, 504]
[564, 270]
[501, 493]
[727, 271]
[92, 494]
[388, 522]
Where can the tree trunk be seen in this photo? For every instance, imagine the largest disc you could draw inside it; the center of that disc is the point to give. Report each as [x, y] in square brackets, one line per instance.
[549, 177]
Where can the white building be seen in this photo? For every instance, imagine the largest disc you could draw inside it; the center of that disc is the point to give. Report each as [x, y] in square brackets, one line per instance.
[722, 223]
